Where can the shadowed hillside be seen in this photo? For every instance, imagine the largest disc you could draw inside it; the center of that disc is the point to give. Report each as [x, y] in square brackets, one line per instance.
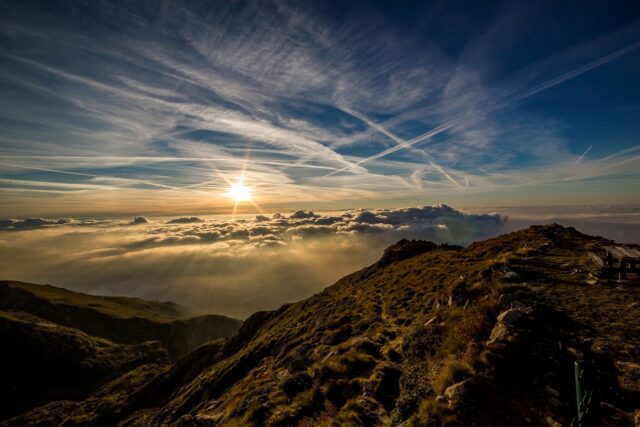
[429, 336]
[42, 361]
[120, 319]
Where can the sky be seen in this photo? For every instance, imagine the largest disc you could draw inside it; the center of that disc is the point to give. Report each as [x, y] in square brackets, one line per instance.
[128, 108]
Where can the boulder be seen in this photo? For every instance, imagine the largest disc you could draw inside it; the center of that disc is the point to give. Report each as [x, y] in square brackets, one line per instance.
[509, 321]
[453, 393]
[507, 274]
[511, 316]
[498, 333]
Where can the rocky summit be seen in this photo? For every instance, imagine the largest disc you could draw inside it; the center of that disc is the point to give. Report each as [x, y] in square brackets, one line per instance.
[431, 335]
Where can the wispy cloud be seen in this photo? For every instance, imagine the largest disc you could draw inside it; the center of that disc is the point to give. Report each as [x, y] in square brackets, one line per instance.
[577, 71]
[402, 144]
[172, 101]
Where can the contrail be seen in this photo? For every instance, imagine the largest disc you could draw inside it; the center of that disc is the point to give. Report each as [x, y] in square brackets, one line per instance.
[446, 175]
[401, 144]
[406, 144]
[517, 97]
[375, 126]
[167, 159]
[583, 154]
[578, 71]
[618, 153]
[137, 181]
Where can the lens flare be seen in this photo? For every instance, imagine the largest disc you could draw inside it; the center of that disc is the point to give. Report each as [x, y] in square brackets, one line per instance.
[239, 192]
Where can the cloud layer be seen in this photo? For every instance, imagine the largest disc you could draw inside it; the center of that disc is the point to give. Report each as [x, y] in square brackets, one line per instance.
[231, 267]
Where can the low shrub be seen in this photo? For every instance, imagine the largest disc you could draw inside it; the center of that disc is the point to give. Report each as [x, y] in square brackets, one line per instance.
[296, 383]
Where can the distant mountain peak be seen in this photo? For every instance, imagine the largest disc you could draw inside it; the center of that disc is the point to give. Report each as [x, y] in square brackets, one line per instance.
[405, 248]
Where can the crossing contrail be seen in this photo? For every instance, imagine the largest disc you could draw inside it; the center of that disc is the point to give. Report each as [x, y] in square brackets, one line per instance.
[158, 159]
[402, 143]
[406, 144]
[91, 175]
[578, 71]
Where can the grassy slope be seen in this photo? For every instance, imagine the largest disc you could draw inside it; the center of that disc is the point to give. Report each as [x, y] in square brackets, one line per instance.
[384, 345]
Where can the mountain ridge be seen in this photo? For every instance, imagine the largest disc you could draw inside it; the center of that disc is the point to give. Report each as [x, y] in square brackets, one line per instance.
[430, 335]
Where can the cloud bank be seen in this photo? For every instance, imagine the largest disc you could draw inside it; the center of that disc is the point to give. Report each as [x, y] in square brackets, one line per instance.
[27, 223]
[233, 267]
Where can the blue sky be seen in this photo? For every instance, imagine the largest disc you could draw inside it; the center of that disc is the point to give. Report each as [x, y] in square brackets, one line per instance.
[155, 107]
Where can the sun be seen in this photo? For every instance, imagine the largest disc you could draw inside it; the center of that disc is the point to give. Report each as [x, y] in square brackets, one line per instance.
[239, 192]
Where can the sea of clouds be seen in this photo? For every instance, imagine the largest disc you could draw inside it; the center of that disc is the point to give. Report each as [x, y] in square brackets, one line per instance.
[227, 266]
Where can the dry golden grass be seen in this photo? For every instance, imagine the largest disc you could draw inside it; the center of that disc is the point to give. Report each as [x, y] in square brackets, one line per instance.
[381, 345]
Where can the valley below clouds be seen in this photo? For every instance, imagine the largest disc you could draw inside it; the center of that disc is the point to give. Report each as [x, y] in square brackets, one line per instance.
[214, 264]
[238, 266]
